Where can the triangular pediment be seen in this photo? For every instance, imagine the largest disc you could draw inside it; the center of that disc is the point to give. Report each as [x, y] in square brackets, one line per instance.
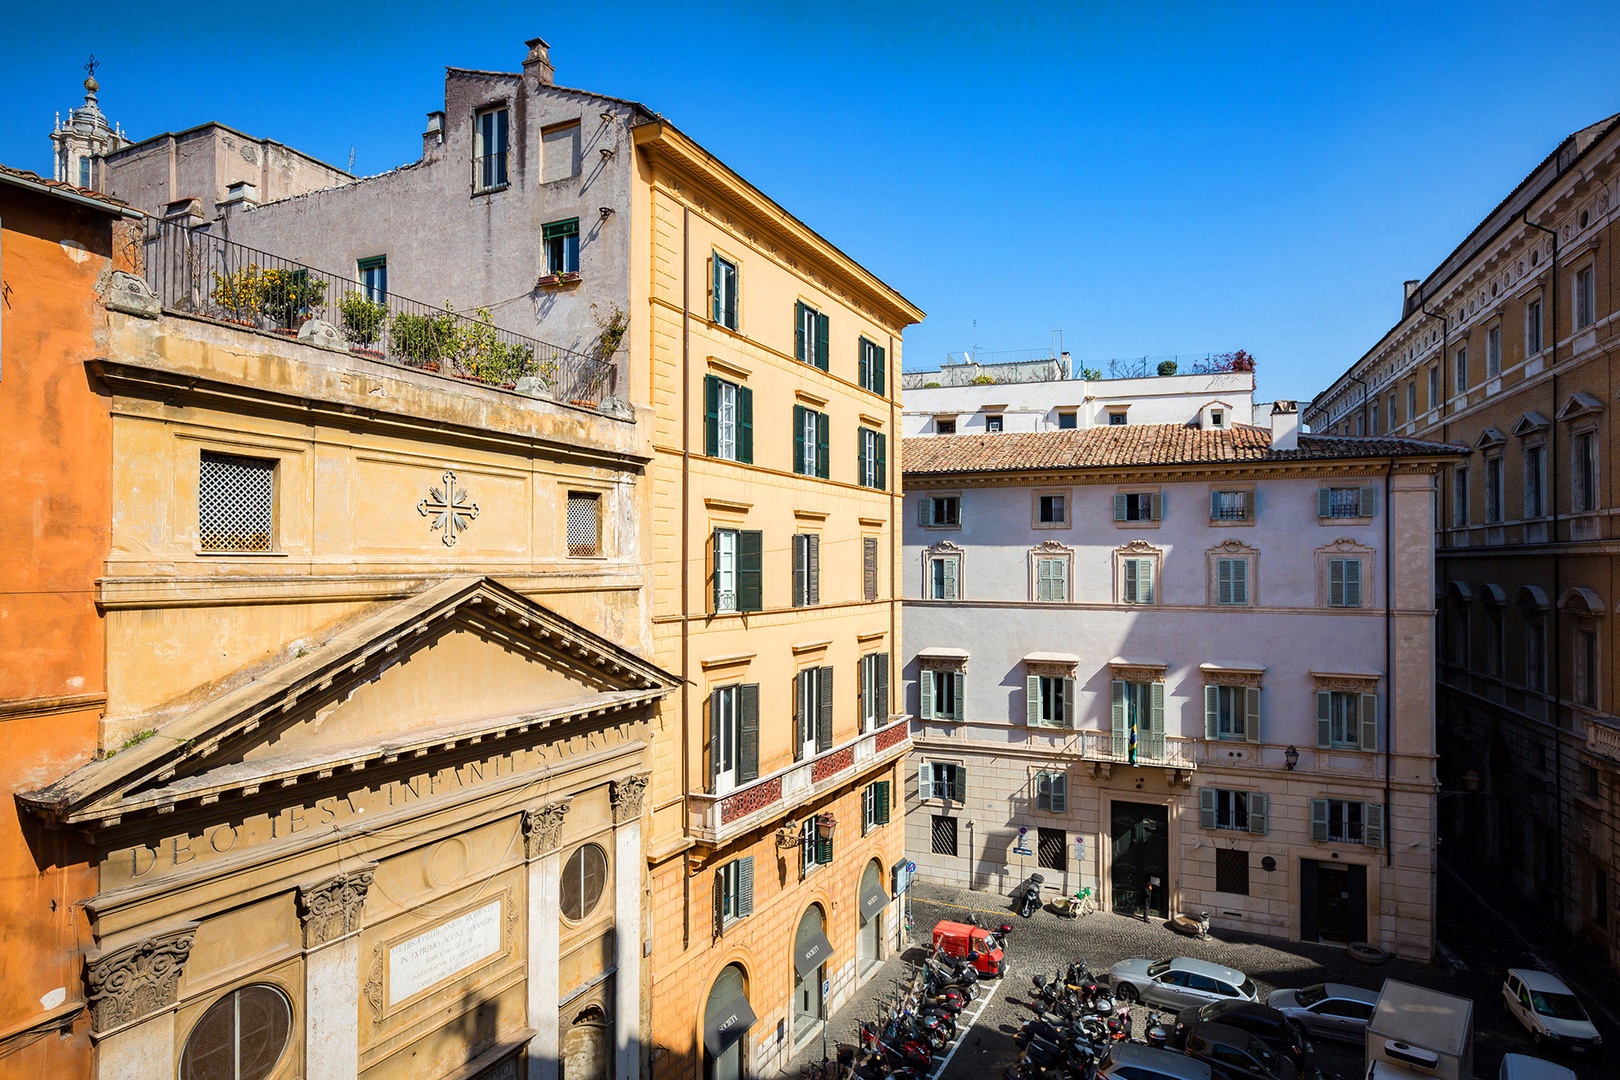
[464, 660]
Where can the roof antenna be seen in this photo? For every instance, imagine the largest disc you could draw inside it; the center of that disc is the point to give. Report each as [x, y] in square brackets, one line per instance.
[351, 159]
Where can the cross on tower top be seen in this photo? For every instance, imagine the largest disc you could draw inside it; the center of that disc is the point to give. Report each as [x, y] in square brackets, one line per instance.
[91, 65]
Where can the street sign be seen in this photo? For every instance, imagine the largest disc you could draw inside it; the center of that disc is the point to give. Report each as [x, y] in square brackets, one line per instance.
[826, 988]
[1020, 849]
[1080, 849]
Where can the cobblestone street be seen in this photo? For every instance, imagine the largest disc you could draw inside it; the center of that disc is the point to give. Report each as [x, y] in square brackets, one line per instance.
[1476, 950]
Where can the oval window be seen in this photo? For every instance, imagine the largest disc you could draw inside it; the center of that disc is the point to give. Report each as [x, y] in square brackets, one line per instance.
[582, 882]
[240, 1037]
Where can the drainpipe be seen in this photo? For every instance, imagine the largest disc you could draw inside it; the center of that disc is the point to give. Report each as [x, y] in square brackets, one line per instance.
[686, 570]
[1389, 656]
[1558, 575]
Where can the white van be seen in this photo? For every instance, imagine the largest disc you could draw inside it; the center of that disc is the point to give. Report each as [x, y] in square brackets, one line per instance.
[1525, 1067]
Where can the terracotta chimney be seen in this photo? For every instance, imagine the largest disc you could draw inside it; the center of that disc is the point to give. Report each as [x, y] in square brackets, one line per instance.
[1285, 425]
[537, 64]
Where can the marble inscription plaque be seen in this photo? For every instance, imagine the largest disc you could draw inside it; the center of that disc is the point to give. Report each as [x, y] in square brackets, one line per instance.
[432, 957]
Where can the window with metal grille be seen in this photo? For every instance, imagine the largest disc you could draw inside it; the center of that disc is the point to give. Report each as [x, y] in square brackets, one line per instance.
[944, 832]
[1232, 871]
[236, 503]
[242, 1036]
[1052, 850]
[584, 534]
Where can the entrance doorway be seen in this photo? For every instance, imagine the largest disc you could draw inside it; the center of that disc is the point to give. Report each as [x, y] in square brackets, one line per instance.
[1332, 902]
[870, 901]
[1141, 856]
[726, 1018]
[810, 952]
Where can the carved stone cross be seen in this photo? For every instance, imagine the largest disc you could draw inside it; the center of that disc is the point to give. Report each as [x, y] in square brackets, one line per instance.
[449, 508]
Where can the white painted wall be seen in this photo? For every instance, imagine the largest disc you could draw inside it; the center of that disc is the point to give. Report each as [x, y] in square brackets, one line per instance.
[1171, 399]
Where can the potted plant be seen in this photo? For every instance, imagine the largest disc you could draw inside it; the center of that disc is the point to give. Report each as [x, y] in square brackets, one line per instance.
[291, 297]
[1167, 367]
[240, 294]
[363, 320]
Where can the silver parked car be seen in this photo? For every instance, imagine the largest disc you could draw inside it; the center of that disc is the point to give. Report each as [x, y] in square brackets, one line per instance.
[1181, 983]
[1327, 1010]
[1133, 1061]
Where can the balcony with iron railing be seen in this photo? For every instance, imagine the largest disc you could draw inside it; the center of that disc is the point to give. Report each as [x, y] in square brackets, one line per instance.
[201, 275]
[717, 818]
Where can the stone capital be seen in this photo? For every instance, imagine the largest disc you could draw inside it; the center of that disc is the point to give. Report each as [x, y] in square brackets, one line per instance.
[542, 828]
[331, 908]
[626, 796]
[133, 981]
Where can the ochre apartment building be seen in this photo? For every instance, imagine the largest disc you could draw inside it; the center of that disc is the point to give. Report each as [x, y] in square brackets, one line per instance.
[1509, 347]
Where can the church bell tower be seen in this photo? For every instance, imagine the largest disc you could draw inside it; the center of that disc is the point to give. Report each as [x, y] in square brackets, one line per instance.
[86, 138]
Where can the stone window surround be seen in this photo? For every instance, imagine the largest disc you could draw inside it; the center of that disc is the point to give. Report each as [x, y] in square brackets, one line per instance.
[1232, 549]
[1035, 521]
[708, 313]
[1138, 549]
[1138, 489]
[1587, 424]
[1346, 548]
[943, 549]
[1047, 549]
[1536, 293]
[1245, 522]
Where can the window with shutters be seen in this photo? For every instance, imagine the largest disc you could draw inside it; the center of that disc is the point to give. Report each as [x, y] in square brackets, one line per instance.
[874, 690]
[1054, 701]
[806, 570]
[940, 511]
[1434, 387]
[733, 737]
[1493, 488]
[1052, 579]
[875, 806]
[811, 451]
[561, 240]
[734, 888]
[814, 849]
[869, 568]
[1138, 508]
[1051, 509]
[1535, 480]
[1232, 712]
[1231, 506]
[873, 367]
[1534, 339]
[942, 780]
[1231, 574]
[810, 335]
[1341, 821]
[1137, 715]
[873, 469]
[941, 690]
[1584, 475]
[723, 292]
[1052, 791]
[236, 503]
[728, 420]
[737, 580]
[1343, 580]
[1346, 720]
[1493, 352]
[1232, 871]
[1460, 371]
[942, 575]
[1585, 297]
[1231, 809]
[1346, 503]
[490, 128]
[584, 523]
[1137, 573]
[942, 835]
[814, 713]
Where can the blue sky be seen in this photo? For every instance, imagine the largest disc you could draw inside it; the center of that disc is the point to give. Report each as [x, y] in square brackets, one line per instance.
[1149, 179]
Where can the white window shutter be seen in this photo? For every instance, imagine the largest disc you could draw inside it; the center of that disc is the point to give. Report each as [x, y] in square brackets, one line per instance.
[1206, 807]
[925, 688]
[1251, 714]
[1155, 747]
[1068, 703]
[925, 781]
[1372, 824]
[1369, 501]
[1324, 719]
[950, 579]
[1144, 582]
[1319, 819]
[1032, 700]
[1119, 506]
[925, 511]
[1259, 824]
[1369, 721]
[1212, 712]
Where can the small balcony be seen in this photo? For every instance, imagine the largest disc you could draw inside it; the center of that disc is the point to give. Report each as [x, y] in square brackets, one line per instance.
[1603, 740]
[198, 274]
[714, 819]
[1167, 753]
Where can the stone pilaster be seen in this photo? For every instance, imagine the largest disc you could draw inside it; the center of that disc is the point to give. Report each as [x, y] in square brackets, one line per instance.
[331, 911]
[542, 838]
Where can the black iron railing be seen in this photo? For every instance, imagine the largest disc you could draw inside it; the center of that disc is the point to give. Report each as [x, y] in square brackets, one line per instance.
[195, 273]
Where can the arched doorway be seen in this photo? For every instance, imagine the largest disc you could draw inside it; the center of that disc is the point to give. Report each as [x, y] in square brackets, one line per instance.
[811, 951]
[726, 1017]
[870, 900]
[586, 1054]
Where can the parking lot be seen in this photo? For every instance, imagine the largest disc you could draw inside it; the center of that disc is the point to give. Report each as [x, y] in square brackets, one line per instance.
[1476, 950]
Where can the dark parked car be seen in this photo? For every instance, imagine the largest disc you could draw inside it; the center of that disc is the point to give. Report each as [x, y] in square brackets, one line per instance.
[1263, 1022]
[1236, 1055]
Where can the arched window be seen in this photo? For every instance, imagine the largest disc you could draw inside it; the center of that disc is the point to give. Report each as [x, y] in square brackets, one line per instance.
[811, 951]
[240, 1037]
[583, 879]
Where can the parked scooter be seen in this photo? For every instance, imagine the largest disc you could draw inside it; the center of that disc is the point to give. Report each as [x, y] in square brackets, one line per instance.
[1029, 895]
[1156, 1032]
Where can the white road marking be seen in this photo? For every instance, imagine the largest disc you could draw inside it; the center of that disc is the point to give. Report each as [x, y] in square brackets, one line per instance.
[962, 1033]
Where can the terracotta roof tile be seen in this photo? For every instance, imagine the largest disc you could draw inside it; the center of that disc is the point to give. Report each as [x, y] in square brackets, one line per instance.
[1115, 446]
[35, 180]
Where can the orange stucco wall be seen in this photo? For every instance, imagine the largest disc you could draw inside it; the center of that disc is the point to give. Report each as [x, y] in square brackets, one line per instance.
[55, 428]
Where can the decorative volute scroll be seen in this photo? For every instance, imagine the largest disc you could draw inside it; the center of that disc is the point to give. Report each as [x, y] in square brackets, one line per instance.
[331, 908]
[1137, 547]
[542, 828]
[1051, 547]
[1233, 677]
[1349, 684]
[626, 796]
[127, 983]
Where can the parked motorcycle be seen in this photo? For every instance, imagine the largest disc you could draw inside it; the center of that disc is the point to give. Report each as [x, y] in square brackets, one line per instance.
[1029, 895]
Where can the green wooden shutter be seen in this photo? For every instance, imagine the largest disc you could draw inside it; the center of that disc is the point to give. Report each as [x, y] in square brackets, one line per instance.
[869, 567]
[1336, 582]
[800, 456]
[1060, 793]
[1068, 703]
[714, 570]
[745, 886]
[1372, 824]
[824, 720]
[800, 544]
[1251, 714]
[798, 331]
[1130, 587]
[711, 416]
[1156, 721]
[925, 781]
[717, 899]
[823, 451]
[750, 579]
[1214, 506]
[1121, 733]
[882, 461]
[1259, 813]
[824, 849]
[952, 591]
[1324, 502]
[822, 325]
[925, 689]
[880, 809]
[957, 704]
[711, 713]
[745, 425]
[1240, 581]
[748, 745]
[1212, 712]
[1369, 721]
[1324, 719]
[812, 571]
[1223, 581]
[1352, 582]
[715, 308]
[862, 473]
[1206, 807]
[1120, 500]
[1144, 581]
[1156, 506]
[881, 713]
[925, 511]
[1369, 501]
[1032, 700]
[879, 369]
[1319, 819]
[801, 713]
[959, 784]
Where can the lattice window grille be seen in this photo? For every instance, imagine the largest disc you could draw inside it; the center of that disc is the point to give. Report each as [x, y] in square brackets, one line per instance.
[944, 835]
[582, 524]
[236, 499]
